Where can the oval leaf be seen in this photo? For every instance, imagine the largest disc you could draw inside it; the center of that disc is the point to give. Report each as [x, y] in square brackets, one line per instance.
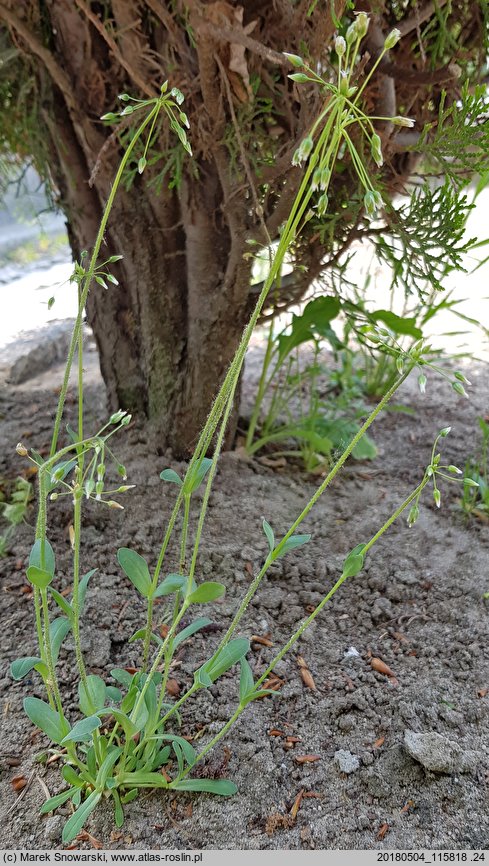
[171, 476]
[48, 720]
[38, 577]
[229, 655]
[136, 569]
[267, 529]
[82, 731]
[49, 560]
[21, 667]
[353, 563]
[171, 583]
[92, 698]
[206, 592]
[77, 820]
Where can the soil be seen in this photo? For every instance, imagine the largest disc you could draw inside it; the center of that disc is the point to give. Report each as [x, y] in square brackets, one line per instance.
[418, 606]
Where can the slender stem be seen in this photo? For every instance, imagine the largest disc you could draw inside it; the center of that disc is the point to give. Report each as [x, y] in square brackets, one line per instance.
[49, 655]
[295, 637]
[75, 602]
[305, 511]
[90, 274]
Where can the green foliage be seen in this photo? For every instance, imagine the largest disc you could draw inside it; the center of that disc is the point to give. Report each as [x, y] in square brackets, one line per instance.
[124, 740]
[475, 496]
[14, 505]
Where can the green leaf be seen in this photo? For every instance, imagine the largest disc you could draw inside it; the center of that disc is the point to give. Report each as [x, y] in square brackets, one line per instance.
[53, 802]
[246, 681]
[38, 578]
[62, 603]
[353, 563]
[171, 476]
[143, 780]
[267, 529]
[398, 324]
[207, 591]
[49, 559]
[140, 634]
[21, 667]
[261, 693]
[122, 719]
[293, 542]
[118, 811]
[226, 658]
[83, 586]
[58, 630]
[92, 698]
[365, 449]
[77, 820]
[190, 630]
[200, 471]
[70, 776]
[171, 583]
[48, 720]
[223, 787]
[114, 694]
[60, 471]
[136, 569]
[106, 766]
[122, 676]
[82, 731]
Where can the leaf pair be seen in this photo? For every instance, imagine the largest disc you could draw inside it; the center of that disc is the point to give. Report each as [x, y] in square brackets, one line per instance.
[286, 546]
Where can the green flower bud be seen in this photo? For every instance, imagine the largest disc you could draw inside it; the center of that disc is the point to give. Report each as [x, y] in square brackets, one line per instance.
[459, 389]
[322, 205]
[325, 176]
[444, 432]
[316, 179]
[469, 482]
[376, 150]
[340, 46]
[294, 59]
[409, 122]
[454, 470]
[422, 380]
[413, 515]
[392, 39]
[351, 33]
[437, 497]
[461, 378]
[362, 23]
[305, 147]
[116, 417]
[113, 504]
[101, 470]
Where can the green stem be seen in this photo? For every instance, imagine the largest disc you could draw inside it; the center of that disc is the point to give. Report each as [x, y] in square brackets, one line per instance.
[75, 602]
[90, 274]
[222, 733]
[319, 492]
[49, 655]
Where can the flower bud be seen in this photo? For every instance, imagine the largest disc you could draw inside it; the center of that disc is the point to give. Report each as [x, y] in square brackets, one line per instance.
[351, 33]
[459, 389]
[461, 378]
[117, 416]
[294, 59]
[126, 420]
[392, 39]
[409, 122]
[413, 515]
[54, 497]
[376, 150]
[122, 471]
[437, 497]
[113, 504]
[444, 432]
[340, 46]
[124, 488]
[322, 205]
[316, 179]
[99, 489]
[469, 482]
[362, 23]
[325, 176]
[305, 147]
[422, 380]
[454, 470]
[21, 450]
[101, 470]
[372, 201]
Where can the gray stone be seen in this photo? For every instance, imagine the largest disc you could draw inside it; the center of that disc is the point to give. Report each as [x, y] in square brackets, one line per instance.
[347, 762]
[382, 610]
[438, 754]
[53, 828]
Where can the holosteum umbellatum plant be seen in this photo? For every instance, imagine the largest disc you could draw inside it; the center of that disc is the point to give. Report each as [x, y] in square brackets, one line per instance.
[124, 736]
